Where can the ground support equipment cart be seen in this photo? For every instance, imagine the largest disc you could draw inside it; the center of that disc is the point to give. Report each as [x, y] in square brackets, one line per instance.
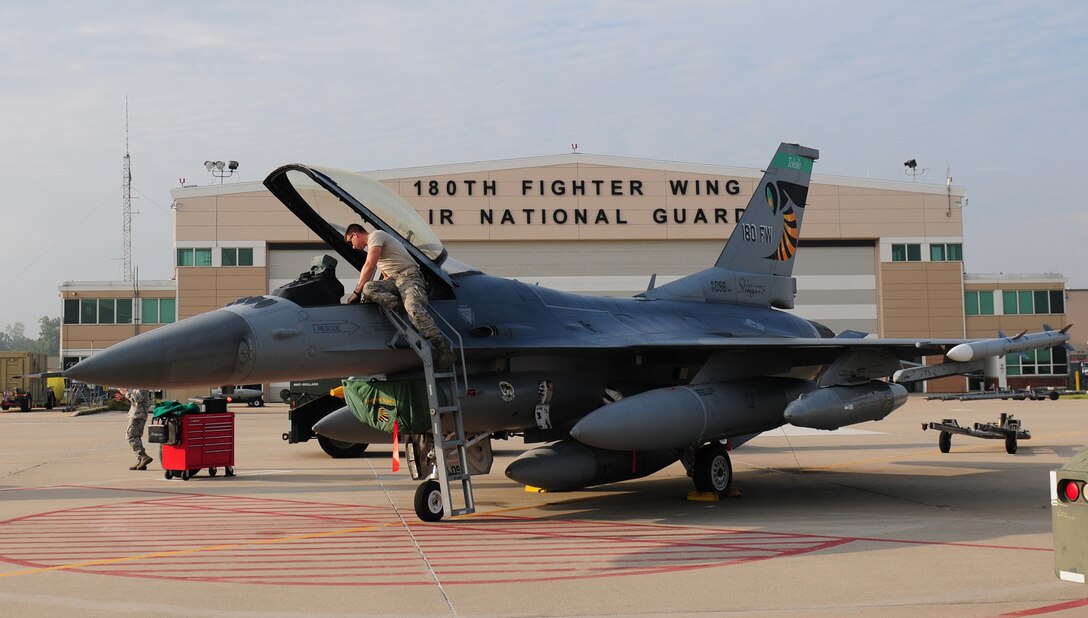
[1007, 428]
[201, 441]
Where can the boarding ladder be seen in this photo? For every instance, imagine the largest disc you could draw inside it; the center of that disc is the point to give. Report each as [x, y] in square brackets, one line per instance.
[447, 426]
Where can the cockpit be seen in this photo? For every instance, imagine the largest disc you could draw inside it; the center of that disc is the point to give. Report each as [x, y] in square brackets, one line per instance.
[327, 200]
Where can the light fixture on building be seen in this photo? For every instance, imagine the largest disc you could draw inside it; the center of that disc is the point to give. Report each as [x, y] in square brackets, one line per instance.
[912, 169]
[217, 169]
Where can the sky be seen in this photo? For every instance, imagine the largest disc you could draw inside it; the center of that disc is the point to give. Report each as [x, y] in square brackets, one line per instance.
[994, 90]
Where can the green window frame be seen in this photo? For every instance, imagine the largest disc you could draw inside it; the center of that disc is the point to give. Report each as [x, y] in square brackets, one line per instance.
[946, 252]
[1057, 301]
[159, 310]
[236, 256]
[978, 302]
[149, 311]
[71, 311]
[907, 252]
[124, 311]
[194, 256]
[106, 310]
[88, 311]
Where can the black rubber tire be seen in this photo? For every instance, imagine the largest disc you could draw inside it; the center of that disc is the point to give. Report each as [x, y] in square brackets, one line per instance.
[944, 442]
[1010, 443]
[259, 403]
[169, 474]
[428, 501]
[212, 471]
[50, 401]
[230, 470]
[185, 476]
[26, 404]
[713, 471]
[341, 450]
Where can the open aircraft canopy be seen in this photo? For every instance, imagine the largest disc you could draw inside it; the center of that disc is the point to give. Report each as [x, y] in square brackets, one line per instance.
[327, 200]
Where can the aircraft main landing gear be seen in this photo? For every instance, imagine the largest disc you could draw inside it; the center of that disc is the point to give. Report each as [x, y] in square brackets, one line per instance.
[712, 471]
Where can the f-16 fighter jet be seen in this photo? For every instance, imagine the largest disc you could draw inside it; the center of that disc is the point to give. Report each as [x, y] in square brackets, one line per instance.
[614, 388]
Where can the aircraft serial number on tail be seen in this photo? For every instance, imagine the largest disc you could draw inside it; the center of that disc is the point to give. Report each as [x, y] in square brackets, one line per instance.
[757, 233]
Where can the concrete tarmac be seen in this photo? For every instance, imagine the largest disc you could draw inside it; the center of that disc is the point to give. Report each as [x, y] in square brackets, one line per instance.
[868, 521]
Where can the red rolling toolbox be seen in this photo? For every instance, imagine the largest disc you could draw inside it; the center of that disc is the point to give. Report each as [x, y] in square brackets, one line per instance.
[203, 441]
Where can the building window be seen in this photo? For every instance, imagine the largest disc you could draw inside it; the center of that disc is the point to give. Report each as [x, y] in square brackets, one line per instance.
[98, 311]
[237, 256]
[88, 311]
[1050, 362]
[978, 302]
[1033, 302]
[195, 257]
[159, 311]
[907, 253]
[71, 311]
[946, 252]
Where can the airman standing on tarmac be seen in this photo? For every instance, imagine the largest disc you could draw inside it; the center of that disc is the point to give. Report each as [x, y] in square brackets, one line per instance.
[137, 418]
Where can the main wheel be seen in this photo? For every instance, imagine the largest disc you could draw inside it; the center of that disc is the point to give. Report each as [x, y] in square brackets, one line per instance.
[713, 471]
[945, 441]
[26, 404]
[50, 401]
[212, 471]
[230, 470]
[259, 403]
[1010, 443]
[185, 475]
[169, 474]
[340, 450]
[429, 501]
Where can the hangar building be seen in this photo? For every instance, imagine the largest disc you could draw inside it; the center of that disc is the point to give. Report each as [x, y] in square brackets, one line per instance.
[879, 256]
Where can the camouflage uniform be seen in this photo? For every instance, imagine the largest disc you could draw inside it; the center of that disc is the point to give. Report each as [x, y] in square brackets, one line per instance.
[137, 418]
[410, 287]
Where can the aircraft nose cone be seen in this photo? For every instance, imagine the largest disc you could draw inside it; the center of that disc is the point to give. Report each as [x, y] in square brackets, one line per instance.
[210, 349]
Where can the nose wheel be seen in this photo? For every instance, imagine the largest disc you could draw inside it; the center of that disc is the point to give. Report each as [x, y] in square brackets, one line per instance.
[713, 470]
[428, 501]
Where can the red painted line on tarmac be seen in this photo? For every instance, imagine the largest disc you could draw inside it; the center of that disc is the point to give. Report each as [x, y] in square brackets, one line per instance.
[183, 536]
[1047, 609]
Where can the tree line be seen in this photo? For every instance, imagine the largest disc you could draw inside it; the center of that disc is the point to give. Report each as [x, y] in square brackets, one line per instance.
[13, 338]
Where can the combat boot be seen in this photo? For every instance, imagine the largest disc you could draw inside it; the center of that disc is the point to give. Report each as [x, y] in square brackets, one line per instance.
[441, 354]
[142, 461]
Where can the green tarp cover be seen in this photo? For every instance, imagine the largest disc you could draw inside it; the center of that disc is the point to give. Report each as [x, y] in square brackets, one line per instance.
[379, 404]
[175, 408]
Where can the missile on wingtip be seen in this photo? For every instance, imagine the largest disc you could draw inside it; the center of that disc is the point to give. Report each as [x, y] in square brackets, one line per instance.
[1001, 346]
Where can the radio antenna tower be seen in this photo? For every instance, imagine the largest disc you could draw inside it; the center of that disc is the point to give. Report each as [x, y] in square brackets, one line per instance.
[126, 207]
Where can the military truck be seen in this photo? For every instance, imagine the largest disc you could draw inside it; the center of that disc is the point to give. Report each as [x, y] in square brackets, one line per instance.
[20, 390]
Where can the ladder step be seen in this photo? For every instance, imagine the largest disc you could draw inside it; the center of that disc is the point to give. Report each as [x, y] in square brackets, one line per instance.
[440, 375]
[449, 444]
[447, 409]
[457, 477]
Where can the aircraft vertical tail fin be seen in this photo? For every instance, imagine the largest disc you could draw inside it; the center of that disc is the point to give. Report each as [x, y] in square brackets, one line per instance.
[765, 239]
[756, 266]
